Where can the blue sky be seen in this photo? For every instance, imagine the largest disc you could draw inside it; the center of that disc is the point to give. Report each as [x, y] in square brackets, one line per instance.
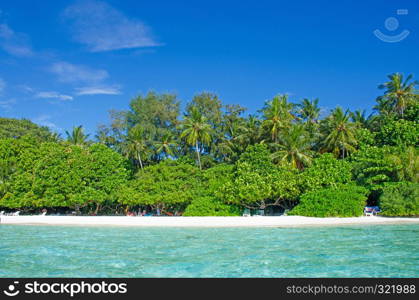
[65, 63]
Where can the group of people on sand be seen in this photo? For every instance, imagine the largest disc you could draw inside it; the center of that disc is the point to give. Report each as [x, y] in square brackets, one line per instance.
[135, 214]
[145, 214]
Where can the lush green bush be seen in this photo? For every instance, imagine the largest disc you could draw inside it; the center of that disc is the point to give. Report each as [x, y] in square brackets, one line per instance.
[343, 201]
[399, 133]
[208, 199]
[326, 171]
[168, 185]
[400, 199]
[14, 128]
[210, 206]
[257, 182]
[375, 167]
[60, 175]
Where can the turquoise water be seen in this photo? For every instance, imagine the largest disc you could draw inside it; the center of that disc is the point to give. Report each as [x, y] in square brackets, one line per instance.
[64, 251]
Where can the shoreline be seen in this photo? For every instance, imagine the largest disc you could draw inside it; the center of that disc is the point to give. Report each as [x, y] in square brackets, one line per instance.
[218, 222]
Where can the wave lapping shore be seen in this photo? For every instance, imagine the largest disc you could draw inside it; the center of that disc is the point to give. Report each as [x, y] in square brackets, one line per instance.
[274, 221]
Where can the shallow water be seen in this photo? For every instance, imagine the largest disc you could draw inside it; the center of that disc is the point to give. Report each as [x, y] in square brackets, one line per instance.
[65, 251]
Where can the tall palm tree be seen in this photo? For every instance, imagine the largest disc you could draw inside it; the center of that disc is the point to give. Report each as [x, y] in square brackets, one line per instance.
[249, 133]
[339, 133]
[359, 117]
[196, 131]
[166, 145]
[77, 136]
[309, 110]
[135, 145]
[294, 147]
[278, 115]
[399, 92]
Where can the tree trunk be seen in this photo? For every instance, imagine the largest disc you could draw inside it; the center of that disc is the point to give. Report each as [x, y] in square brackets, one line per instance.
[97, 208]
[199, 157]
[139, 159]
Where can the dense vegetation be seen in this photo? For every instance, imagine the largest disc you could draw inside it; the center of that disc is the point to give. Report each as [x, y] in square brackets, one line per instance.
[214, 159]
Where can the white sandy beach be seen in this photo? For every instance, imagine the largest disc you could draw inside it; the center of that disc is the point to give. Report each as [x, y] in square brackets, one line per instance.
[282, 221]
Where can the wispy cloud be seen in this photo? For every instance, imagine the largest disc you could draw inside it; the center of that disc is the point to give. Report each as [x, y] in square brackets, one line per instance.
[98, 91]
[25, 88]
[14, 43]
[67, 72]
[53, 95]
[7, 105]
[101, 27]
[45, 120]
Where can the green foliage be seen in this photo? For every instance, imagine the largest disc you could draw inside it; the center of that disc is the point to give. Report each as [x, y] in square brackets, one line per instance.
[77, 136]
[294, 147]
[37, 169]
[209, 206]
[14, 128]
[326, 171]
[374, 166]
[343, 201]
[401, 199]
[166, 185]
[339, 133]
[365, 137]
[399, 133]
[58, 175]
[208, 201]
[258, 183]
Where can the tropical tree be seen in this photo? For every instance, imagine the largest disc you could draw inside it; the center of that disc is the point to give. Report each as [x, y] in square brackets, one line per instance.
[135, 145]
[406, 164]
[166, 145]
[249, 132]
[339, 133]
[309, 110]
[77, 136]
[359, 117]
[294, 147]
[277, 114]
[196, 131]
[14, 128]
[399, 91]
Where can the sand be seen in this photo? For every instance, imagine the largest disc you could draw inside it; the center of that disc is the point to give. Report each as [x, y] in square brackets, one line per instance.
[256, 221]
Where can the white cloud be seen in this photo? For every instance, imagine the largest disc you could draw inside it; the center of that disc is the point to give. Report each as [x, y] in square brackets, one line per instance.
[67, 72]
[14, 43]
[98, 91]
[45, 120]
[101, 27]
[25, 88]
[53, 95]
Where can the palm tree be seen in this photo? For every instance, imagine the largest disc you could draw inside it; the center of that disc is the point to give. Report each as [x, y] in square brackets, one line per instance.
[196, 131]
[339, 133]
[399, 92]
[309, 110]
[294, 147]
[359, 117]
[166, 145]
[135, 144]
[249, 132]
[277, 114]
[77, 136]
